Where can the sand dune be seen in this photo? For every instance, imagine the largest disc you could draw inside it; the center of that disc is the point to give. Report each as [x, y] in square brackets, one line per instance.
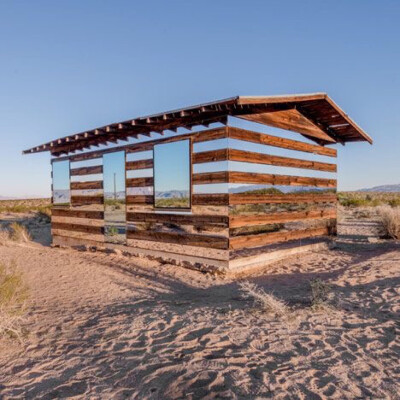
[105, 326]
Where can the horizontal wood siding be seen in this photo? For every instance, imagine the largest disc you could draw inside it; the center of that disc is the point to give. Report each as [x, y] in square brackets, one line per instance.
[140, 164]
[245, 241]
[182, 219]
[97, 169]
[260, 158]
[215, 242]
[139, 182]
[86, 185]
[216, 199]
[281, 217]
[275, 141]
[78, 228]
[86, 200]
[241, 198]
[139, 199]
[257, 178]
[77, 213]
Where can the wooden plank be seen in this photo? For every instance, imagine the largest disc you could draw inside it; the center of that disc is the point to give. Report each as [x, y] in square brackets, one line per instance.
[216, 199]
[275, 141]
[77, 220]
[259, 158]
[215, 242]
[139, 199]
[240, 242]
[267, 179]
[87, 185]
[242, 198]
[182, 219]
[291, 120]
[87, 238]
[97, 169]
[271, 179]
[90, 214]
[210, 177]
[140, 164]
[237, 221]
[210, 156]
[77, 227]
[86, 200]
[139, 182]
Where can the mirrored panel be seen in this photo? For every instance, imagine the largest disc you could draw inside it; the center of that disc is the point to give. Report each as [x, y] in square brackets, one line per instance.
[61, 184]
[172, 175]
[114, 197]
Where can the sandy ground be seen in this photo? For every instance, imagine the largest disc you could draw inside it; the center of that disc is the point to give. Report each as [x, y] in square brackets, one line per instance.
[105, 326]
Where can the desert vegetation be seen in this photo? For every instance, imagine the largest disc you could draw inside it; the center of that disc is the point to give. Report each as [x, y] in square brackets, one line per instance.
[13, 295]
[390, 218]
[368, 199]
[25, 206]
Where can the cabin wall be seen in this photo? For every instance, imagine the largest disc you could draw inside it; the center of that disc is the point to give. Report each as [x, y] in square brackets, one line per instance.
[252, 194]
[282, 195]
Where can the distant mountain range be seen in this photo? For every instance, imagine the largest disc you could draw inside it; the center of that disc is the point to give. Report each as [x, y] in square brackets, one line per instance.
[383, 188]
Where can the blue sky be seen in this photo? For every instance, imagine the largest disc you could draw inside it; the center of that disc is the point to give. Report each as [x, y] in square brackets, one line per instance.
[67, 66]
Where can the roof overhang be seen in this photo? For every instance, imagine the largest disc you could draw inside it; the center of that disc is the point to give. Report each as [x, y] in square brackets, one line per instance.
[315, 116]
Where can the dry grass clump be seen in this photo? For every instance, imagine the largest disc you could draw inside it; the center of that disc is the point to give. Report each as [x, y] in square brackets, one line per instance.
[390, 218]
[13, 295]
[18, 233]
[319, 293]
[264, 300]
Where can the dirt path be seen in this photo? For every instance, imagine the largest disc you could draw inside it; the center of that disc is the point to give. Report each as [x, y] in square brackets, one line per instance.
[104, 326]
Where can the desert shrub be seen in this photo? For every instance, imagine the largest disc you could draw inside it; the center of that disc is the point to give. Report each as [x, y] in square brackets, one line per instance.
[44, 215]
[264, 300]
[319, 292]
[18, 233]
[390, 218]
[370, 199]
[24, 206]
[13, 295]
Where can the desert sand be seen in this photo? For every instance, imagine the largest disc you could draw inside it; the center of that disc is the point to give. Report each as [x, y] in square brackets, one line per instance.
[108, 326]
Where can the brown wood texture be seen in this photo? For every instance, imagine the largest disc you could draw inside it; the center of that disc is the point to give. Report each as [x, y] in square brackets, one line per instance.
[90, 214]
[86, 200]
[210, 199]
[87, 185]
[259, 158]
[275, 141]
[241, 198]
[210, 177]
[140, 164]
[77, 228]
[240, 242]
[291, 120]
[183, 219]
[215, 242]
[237, 221]
[139, 199]
[256, 178]
[97, 169]
[250, 177]
[139, 182]
[211, 156]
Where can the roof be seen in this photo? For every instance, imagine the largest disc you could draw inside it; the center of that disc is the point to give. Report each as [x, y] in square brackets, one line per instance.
[314, 115]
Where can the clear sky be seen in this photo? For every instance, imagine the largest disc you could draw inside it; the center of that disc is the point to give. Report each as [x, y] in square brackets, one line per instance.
[67, 66]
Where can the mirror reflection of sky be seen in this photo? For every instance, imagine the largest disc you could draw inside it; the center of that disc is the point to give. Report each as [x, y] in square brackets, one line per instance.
[61, 175]
[114, 163]
[172, 166]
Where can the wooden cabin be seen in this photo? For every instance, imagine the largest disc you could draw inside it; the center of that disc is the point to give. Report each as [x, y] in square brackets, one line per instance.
[224, 186]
